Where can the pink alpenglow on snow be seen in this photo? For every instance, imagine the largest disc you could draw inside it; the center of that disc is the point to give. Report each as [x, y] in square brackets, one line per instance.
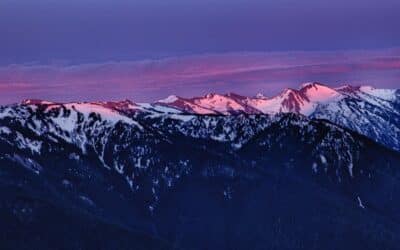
[303, 100]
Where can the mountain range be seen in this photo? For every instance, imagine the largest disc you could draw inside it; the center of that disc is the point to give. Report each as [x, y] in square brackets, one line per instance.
[311, 168]
[364, 109]
[369, 111]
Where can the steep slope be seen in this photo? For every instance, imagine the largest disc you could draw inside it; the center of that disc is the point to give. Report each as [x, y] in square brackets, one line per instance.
[240, 181]
[373, 113]
[289, 100]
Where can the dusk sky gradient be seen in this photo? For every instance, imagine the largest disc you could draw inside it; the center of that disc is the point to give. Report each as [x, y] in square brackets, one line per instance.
[146, 49]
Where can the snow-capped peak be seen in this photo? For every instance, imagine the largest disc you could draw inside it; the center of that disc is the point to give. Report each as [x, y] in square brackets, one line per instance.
[294, 101]
[224, 104]
[303, 100]
[319, 93]
[311, 84]
[169, 99]
[35, 102]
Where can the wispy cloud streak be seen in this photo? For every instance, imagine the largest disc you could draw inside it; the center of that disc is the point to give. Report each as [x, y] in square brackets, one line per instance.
[244, 73]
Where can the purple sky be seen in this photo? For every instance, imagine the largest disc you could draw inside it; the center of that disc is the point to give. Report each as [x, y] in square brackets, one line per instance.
[147, 49]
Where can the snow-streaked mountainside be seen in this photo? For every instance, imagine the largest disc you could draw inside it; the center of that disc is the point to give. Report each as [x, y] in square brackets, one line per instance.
[372, 112]
[301, 170]
[369, 111]
[304, 100]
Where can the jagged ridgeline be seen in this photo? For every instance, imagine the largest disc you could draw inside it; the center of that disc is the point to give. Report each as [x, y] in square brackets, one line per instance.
[314, 168]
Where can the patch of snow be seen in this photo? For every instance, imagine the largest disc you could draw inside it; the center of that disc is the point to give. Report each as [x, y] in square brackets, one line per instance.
[184, 118]
[169, 99]
[360, 204]
[74, 156]
[87, 200]
[350, 169]
[26, 143]
[219, 103]
[7, 112]
[315, 167]
[26, 163]
[158, 108]
[35, 146]
[5, 130]
[260, 96]
[385, 94]
[323, 159]
[69, 123]
[220, 137]
[105, 113]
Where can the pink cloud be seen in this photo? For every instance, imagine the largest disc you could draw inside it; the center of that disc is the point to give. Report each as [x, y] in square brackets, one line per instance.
[245, 73]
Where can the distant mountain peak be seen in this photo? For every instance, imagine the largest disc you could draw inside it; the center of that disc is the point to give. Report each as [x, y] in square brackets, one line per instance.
[370, 111]
[169, 99]
[303, 100]
[35, 102]
[319, 93]
[312, 85]
[260, 96]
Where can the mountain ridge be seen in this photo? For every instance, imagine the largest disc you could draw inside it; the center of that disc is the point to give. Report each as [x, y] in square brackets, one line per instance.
[372, 112]
[128, 171]
[289, 100]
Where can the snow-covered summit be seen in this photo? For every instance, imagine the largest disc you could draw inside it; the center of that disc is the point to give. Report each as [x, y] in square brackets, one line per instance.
[169, 99]
[319, 93]
[303, 100]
